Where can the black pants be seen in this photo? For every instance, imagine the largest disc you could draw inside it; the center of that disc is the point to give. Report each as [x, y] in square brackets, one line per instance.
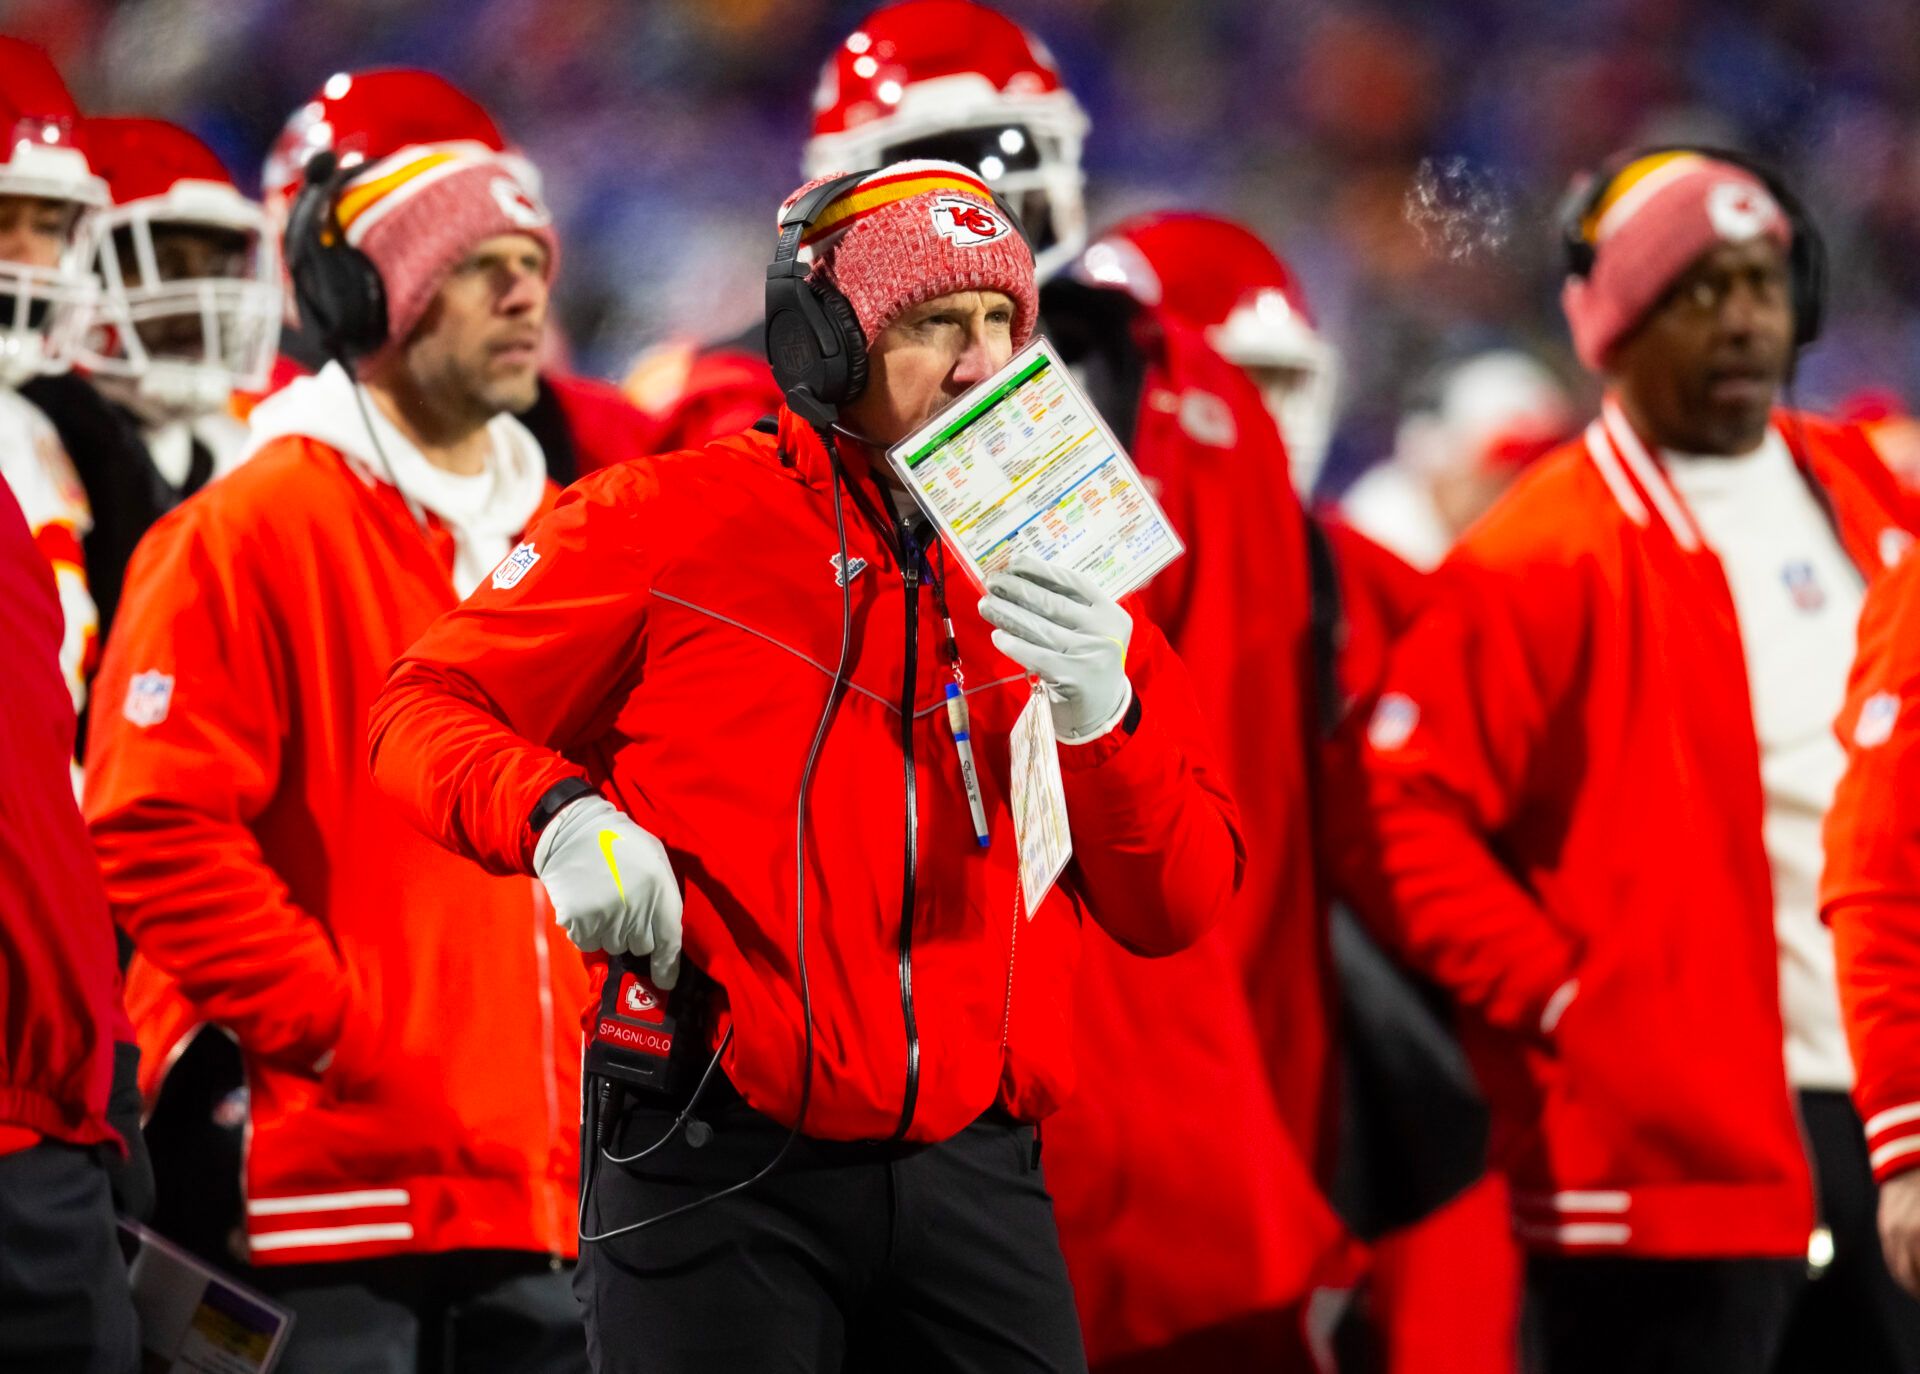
[64, 1303]
[196, 1137]
[1741, 1316]
[850, 1255]
[463, 1312]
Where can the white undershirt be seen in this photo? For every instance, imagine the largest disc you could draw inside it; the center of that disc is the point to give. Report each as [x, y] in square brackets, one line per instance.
[1797, 597]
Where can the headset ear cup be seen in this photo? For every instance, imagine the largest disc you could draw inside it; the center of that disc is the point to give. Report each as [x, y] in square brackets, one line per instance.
[337, 287]
[839, 311]
[1570, 218]
[1806, 266]
[1810, 284]
[300, 251]
[364, 329]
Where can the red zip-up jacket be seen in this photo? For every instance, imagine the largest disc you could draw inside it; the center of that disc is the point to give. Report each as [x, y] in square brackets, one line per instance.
[58, 984]
[1212, 1118]
[1870, 888]
[1566, 781]
[253, 861]
[672, 639]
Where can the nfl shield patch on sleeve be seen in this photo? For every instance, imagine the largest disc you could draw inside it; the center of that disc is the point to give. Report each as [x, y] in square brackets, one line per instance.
[149, 695]
[514, 566]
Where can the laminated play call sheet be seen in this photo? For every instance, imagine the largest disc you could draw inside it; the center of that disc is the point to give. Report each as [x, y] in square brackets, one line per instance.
[1024, 461]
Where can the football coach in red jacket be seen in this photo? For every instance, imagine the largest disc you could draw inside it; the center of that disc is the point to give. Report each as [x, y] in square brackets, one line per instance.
[641, 701]
[64, 1302]
[1599, 768]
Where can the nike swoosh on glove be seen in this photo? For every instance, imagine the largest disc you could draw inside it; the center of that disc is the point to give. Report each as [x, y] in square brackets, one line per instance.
[612, 885]
[1058, 625]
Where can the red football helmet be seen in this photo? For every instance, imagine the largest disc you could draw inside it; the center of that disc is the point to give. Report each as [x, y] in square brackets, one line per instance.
[1220, 277]
[365, 116]
[953, 80]
[190, 302]
[43, 156]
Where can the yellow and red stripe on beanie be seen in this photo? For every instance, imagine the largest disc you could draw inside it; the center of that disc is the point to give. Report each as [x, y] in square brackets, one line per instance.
[889, 186]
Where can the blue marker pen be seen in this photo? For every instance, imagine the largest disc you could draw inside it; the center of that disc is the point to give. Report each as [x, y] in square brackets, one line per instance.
[963, 744]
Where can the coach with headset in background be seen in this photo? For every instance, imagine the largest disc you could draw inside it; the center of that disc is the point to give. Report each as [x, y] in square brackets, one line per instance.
[1599, 770]
[704, 701]
[406, 1020]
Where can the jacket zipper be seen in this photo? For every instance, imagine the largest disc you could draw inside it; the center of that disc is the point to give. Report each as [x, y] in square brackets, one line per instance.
[1013, 946]
[910, 576]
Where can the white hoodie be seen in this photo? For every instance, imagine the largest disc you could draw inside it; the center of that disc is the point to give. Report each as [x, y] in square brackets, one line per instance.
[485, 512]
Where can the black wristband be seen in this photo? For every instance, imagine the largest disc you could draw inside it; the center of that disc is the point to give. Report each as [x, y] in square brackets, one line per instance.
[1131, 720]
[554, 800]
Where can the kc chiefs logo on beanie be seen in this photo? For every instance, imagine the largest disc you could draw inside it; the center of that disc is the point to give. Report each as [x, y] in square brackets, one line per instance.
[417, 213]
[913, 231]
[1658, 214]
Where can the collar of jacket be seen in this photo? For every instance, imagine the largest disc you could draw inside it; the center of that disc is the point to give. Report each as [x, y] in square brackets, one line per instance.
[803, 454]
[1639, 481]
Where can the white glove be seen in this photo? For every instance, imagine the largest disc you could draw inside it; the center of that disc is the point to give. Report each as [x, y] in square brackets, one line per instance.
[1058, 625]
[612, 886]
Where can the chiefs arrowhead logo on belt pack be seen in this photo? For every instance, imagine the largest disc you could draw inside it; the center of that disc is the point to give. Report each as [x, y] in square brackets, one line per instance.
[640, 1000]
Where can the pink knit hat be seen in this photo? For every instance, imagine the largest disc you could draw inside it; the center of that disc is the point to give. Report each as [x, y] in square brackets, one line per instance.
[1658, 215]
[417, 213]
[915, 230]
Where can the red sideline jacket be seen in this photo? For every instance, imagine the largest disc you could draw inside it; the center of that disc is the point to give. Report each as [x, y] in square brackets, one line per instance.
[672, 639]
[1206, 1118]
[252, 859]
[1566, 781]
[58, 980]
[1191, 1122]
[1870, 891]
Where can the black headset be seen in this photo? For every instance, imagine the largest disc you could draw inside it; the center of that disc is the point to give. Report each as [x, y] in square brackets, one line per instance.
[814, 340]
[339, 290]
[1806, 260]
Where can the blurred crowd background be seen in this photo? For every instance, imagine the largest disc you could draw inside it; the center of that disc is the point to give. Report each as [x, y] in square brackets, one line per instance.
[1406, 158]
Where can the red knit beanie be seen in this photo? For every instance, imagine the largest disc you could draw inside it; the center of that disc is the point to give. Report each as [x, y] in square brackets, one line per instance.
[1658, 215]
[913, 231]
[417, 213]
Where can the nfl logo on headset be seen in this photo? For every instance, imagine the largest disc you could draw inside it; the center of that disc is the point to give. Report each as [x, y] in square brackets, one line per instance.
[514, 566]
[149, 695]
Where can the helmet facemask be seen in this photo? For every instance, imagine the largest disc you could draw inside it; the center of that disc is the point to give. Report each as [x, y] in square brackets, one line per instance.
[45, 309]
[1296, 370]
[190, 307]
[1026, 147]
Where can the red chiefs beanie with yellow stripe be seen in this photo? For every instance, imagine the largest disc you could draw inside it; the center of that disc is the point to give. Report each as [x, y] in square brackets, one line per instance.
[1657, 215]
[417, 213]
[913, 231]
